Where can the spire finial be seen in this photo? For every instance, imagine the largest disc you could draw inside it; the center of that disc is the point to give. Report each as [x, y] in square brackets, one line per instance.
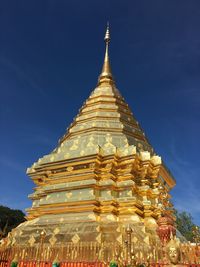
[107, 35]
[106, 75]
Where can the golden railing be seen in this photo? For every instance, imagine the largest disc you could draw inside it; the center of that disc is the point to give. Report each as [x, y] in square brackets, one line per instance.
[92, 252]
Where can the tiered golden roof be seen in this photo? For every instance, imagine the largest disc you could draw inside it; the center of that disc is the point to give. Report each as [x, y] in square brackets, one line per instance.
[104, 120]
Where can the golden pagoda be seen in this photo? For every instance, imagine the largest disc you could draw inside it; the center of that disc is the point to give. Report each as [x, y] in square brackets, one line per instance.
[102, 180]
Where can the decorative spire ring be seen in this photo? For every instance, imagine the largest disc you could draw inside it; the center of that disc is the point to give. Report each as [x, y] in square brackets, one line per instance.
[107, 35]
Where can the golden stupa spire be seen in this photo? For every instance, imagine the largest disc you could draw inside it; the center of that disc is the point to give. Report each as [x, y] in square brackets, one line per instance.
[106, 74]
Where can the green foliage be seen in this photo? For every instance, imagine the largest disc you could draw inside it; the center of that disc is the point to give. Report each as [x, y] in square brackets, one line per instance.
[141, 265]
[113, 264]
[9, 219]
[185, 225]
[14, 264]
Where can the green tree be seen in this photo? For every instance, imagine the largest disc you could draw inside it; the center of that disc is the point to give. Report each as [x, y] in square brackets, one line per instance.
[185, 225]
[9, 219]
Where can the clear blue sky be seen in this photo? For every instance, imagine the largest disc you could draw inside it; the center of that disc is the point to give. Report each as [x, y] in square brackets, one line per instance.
[51, 54]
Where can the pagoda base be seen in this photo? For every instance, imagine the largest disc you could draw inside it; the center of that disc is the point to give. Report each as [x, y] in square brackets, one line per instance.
[79, 237]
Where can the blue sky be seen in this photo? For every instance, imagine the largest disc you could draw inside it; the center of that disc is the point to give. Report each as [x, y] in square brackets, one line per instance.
[51, 54]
